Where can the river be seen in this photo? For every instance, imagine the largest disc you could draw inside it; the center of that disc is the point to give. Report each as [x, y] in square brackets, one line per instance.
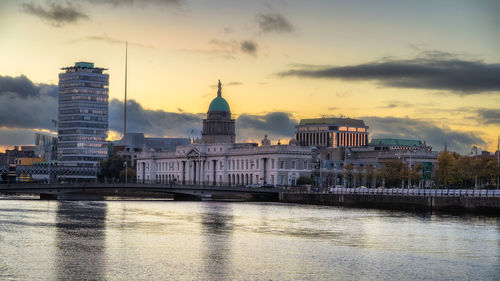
[170, 240]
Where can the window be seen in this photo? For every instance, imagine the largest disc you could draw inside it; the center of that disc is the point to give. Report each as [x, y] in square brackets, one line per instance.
[272, 163]
[246, 164]
[221, 166]
[305, 165]
[282, 164]
[293, 165]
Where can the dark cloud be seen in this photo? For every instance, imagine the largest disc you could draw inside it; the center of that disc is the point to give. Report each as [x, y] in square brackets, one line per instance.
[489, 116]
[27, 105]
[274, 23]
[20, 86]
[249, 47]
[12, 137]
[56, 14]
[153, 122]
[435, 70]
[235, 83]
[407, 128]
[275, 125]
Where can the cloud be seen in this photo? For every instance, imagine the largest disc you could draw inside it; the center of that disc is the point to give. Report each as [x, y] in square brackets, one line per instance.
[274, 124]
[57, 14]
[117, 3]
[234, 83]
[27, 105]
[228, 49]
[157, 123]
[435, 70]
[12, 137]
[249, 47]
[489, 116]
[407, 128]
[274, 23]
[21, 86]
[229, 84]
[107, 39]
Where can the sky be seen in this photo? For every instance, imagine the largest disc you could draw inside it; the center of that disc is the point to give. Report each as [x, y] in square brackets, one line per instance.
[426, 70]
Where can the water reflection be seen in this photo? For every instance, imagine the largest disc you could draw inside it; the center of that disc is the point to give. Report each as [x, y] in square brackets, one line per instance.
[217, 229]
[80, 240]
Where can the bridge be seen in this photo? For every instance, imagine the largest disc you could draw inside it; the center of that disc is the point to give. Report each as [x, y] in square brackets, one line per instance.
[96, 191]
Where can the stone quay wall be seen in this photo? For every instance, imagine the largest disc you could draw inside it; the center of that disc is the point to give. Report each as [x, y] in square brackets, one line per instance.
[490, 205]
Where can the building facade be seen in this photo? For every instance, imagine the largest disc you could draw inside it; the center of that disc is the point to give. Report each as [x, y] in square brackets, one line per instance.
[361, 163]
[133, 144]
[217, 160]
[83, 115]
[331, 132]
[46, 147]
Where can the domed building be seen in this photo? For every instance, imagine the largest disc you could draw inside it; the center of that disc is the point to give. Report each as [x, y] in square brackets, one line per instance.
[218, 127]
[218, 160]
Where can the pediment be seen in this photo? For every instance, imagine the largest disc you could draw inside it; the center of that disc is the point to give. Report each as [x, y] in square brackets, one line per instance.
[193, 153]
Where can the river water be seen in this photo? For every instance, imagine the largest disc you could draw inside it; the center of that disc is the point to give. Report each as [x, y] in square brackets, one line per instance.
[167, 240]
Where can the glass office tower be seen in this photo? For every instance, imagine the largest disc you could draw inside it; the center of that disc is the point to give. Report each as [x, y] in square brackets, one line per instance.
[83, 115]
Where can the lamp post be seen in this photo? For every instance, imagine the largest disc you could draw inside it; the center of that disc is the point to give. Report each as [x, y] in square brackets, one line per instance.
[125, 164]
[409, 171]
[498, 163]
[475, 166]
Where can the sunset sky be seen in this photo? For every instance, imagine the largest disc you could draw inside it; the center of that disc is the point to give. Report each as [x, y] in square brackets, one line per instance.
[427, 70]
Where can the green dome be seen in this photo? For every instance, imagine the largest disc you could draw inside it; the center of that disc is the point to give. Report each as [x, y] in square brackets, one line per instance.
[219, 104]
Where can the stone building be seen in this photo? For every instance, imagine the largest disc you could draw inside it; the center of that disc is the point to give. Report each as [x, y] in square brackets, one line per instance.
[331, 163]
[218, 127]
[218, 160]
[332, 132]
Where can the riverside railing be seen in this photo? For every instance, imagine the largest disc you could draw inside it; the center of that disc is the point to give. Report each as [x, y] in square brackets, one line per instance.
[407, 192]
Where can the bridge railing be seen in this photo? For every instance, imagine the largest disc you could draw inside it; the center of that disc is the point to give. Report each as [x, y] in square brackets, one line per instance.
[406, 192]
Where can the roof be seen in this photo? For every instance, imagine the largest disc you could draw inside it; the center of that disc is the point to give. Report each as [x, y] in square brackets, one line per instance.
[386, 142]
[137, 140]
[333, 121]
[84, 64]
[219, 104]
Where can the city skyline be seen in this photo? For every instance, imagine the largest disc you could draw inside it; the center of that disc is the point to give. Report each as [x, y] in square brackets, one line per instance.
[425, 71]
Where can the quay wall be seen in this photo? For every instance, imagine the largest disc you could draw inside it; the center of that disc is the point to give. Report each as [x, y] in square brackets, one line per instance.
[397, 202]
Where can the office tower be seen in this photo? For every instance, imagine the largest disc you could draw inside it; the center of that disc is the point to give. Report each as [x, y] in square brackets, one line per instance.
[83, 115]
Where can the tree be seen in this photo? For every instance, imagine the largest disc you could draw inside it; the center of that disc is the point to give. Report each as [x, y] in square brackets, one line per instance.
[111, 167]
[131, 175]
[446, 168]
[348, 174]
[302, 180]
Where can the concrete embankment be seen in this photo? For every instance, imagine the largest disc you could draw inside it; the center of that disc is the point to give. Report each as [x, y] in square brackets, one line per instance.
[490, 205]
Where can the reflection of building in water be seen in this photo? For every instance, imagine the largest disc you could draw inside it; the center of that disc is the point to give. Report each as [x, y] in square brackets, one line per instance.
[80, 239]
[217, 227]
[217, 160]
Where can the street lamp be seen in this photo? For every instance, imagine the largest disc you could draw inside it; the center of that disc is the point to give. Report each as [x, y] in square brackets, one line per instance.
[475, 166]
[125, 164]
